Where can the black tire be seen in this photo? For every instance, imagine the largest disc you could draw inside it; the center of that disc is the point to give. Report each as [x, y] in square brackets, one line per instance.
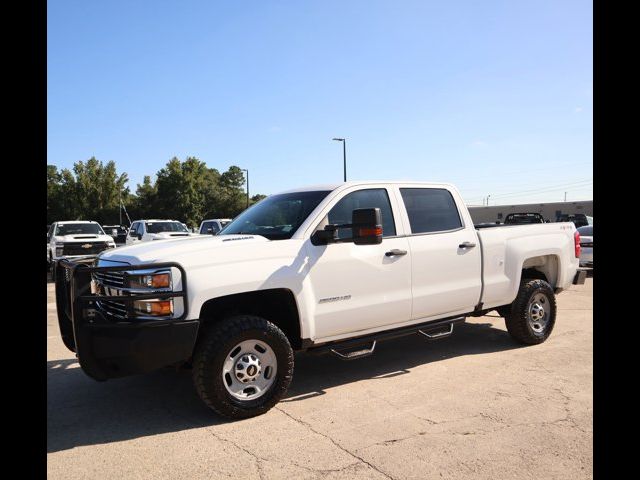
[216, 345]
[520, 321]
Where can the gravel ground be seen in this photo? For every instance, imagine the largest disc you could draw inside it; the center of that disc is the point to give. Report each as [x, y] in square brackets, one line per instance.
[475, 405]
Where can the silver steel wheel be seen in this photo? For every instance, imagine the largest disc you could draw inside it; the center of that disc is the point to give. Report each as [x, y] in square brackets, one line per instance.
[538, 312]
[249, 370]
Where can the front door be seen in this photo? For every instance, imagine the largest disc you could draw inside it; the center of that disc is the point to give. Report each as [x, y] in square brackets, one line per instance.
[360, 287]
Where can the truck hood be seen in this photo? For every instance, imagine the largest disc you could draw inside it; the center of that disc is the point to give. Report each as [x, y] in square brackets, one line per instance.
[193, 250]
[83, 237]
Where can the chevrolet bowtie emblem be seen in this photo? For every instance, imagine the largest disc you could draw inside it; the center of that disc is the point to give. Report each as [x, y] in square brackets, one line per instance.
[87, 245]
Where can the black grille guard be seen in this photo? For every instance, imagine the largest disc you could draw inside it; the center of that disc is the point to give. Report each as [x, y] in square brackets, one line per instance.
[97, 339]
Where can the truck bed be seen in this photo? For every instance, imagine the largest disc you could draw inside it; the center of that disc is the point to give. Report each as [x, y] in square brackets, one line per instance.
[545, 247]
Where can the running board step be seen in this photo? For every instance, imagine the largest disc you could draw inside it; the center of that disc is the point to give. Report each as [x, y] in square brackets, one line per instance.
[365, 352]
[432, 330]
[436, 333]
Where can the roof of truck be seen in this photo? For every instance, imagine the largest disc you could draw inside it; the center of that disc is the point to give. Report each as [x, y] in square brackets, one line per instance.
[75, 221]
[156, 220]
[333, 186]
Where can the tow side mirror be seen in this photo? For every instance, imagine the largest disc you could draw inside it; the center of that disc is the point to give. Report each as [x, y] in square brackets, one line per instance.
[366, 226]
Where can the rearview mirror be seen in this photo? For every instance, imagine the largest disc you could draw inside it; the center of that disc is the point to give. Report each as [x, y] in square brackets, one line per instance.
[366, 226]
[210, 230]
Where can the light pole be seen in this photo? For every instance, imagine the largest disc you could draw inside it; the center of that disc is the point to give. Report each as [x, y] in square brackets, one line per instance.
[344, 154]
[245, 170]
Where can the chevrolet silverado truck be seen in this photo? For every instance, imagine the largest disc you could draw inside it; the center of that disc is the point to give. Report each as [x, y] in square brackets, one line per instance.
[327, 270]
[150, 230]
[213, 226]
[76, 240]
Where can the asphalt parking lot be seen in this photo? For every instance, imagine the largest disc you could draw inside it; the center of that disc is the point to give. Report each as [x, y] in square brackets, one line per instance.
[476, 405]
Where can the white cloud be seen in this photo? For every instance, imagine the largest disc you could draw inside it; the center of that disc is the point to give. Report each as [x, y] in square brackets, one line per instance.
[578, 109]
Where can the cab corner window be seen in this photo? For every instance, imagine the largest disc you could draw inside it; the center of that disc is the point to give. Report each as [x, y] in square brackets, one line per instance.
[369, 198]
[430, 209]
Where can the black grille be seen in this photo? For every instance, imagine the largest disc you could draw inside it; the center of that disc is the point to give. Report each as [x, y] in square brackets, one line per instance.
[110, 284]
[113, 309]
[110, 279]
[81, 248]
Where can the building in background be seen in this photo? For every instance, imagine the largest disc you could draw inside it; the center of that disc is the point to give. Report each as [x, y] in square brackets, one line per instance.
[550, 211]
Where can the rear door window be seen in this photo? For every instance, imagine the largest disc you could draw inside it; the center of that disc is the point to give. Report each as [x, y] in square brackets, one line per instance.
[430, 210]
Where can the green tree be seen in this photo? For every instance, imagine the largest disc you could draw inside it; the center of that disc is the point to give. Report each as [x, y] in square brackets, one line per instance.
[89, 192]
[186, 190]
[233, 197]
[256, 198]
[144, 204]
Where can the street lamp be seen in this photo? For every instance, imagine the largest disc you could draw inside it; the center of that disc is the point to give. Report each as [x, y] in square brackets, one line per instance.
[245, 170]
[344, 154]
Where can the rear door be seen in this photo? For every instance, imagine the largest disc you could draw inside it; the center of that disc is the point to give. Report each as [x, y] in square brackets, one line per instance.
[445, 252]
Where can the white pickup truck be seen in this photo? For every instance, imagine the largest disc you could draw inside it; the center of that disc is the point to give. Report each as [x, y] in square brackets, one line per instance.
[150, 230]
[327, 269]
[76, 240]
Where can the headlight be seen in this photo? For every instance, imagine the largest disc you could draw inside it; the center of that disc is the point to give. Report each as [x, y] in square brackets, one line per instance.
[59, 249]
[152, 280]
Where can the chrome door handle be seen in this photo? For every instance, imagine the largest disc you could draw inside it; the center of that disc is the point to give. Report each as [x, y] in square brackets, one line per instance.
[395, 253]
[466, 245]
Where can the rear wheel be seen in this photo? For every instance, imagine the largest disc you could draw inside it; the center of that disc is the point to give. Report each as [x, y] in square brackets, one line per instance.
[533, 313]
[242, 366]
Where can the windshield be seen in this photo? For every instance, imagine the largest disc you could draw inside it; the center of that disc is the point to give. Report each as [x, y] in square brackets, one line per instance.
[78, 229]
[587, 230]
[158, 227]
[276, 217]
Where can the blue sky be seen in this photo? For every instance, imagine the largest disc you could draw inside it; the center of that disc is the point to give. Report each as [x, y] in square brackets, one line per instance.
[493, 96]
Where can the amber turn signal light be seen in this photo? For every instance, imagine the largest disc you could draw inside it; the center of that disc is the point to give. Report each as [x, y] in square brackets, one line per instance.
[154, 307]
[365, 232]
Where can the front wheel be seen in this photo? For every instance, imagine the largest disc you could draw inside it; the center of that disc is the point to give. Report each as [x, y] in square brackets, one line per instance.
[242, 366]
[533, 313]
